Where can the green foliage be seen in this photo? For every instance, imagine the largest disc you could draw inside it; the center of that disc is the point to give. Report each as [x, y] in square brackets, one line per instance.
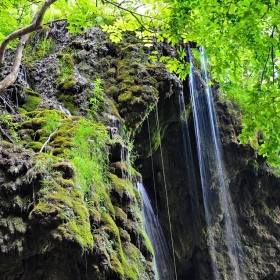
[241, 39]
[178, 66]
[14, 15]
[36, 51]
[66, 67]
[89, 156]
[31, 103]
[96, 100]
[53, 120]
[7, 122]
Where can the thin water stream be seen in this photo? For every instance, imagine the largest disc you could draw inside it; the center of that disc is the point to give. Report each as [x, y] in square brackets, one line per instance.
[163, 259]
[191, 172]
[219, 211]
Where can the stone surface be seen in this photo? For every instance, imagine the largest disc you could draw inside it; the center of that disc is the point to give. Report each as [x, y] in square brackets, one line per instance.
[35, 239]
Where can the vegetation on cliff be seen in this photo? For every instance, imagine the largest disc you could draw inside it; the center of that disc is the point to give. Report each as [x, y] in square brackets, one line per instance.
[79, 194]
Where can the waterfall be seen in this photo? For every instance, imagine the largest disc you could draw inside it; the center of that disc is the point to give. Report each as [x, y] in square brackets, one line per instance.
[191, 172]
[163, 259]
[223, 236]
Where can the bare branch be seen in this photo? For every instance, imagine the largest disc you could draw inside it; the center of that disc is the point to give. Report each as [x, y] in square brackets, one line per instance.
[6, 135]
[47, 141]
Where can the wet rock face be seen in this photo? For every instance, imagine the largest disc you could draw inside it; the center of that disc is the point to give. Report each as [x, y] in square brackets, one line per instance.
[253, 187]
[254, 190]
[34, 239]
[49, 229]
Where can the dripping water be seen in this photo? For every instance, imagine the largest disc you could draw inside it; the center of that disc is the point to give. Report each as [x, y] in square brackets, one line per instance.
[163, 259]
[166, 194]
[191, 172]
[219, 211]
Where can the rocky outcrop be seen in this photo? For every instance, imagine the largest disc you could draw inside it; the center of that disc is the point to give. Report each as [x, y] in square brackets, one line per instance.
[68, 205]
[252, 183]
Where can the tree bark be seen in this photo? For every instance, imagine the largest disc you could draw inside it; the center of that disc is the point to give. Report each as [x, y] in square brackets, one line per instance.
[24, 34]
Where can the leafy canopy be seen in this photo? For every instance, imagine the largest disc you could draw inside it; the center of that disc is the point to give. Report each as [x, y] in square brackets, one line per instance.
[241, 38]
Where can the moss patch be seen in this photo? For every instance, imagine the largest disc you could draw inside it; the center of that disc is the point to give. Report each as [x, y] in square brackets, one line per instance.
[124, 97]
[31, 103]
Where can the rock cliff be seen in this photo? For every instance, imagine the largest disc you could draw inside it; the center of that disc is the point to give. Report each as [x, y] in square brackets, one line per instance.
[80, 117]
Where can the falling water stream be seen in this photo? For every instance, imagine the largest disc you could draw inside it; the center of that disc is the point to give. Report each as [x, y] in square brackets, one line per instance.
[163, 259]
[219, 211]
[191, 172]
[164, 269]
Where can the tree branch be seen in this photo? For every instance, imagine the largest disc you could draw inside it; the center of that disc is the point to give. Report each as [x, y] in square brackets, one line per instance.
[34, 25]
[6, 135]
[134, 14]
[47, 141]
[24, 34]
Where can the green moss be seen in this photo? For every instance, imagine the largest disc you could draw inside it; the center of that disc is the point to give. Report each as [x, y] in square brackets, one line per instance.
[153, 66]
[67, 58]
[136, 89]
[61, 204]
[31, 103]
[121, 186]
[66, 65]
[62, 142]
[124, 97]
[112, 71]
[69, 183]
[21, 110]
[134, 264]
[137, 100]
[138, 197]
[6, 144]
[112, 91]
[67, 83]
[126, 78]
[147, 243]
[120, 214]
[36, 146]
[109, 225]
[117, 267]
[113, 109]
[68, 101]
[125, 237]
[31, 92]
[106, 201]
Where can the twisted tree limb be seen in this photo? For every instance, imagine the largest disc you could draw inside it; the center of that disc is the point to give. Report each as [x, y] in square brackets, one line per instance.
[23, 34]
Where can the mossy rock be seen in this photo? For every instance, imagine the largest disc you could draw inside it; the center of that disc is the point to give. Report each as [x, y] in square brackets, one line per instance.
[69, 102]
[62, 208]
[31, 103]
[136, 89]
[125, 237]
[68, 83]
[123, 187]
[61, 142]
[125, 97]
[112, 91]
[127, 78]
[120, 214]
[113, 109]
[109, 225]
[36, 146]
[112, 72]
[31, 92]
